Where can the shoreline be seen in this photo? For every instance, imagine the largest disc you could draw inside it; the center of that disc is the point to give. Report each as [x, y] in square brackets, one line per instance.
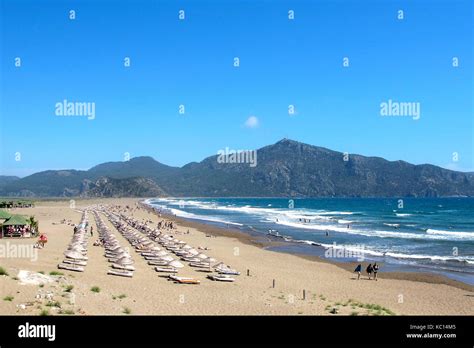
[266, 244]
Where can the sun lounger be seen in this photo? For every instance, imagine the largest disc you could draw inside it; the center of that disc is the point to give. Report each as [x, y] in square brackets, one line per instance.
[121, 259]
[158, 262]
[142, 249]
[221, 278]
[75, 262]
[123, 267]
[149, 253]
[70, 267]
[115, 256]
[76, 256]
[183, 280]
[222, 268]
[227, 271]
[205, 270]
[122, 273]
[188, 281]
[200, 265]
[153, 258]
[166, 269]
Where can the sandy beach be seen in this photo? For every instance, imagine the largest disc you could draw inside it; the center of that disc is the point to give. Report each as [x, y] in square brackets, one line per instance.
[276, 284]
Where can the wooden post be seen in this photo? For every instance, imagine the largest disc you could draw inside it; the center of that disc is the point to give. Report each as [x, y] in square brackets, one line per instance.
[273, 283]
[248, 272]
[304, 294]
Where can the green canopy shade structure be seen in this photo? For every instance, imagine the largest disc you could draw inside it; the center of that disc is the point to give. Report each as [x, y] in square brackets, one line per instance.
[4, 214]
[16, 220]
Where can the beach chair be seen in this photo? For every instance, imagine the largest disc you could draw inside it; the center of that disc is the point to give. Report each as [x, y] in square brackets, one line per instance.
[71, 267]
[183, 280]
[121, 273]
[221, 278]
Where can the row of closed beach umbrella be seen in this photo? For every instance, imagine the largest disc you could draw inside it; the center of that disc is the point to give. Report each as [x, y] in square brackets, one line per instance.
[76, 253]
[120, 259]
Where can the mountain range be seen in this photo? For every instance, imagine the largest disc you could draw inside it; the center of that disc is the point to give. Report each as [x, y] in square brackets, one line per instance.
[285, 169]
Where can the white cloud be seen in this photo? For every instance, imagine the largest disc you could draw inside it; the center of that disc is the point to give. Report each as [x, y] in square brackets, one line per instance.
[252, 122]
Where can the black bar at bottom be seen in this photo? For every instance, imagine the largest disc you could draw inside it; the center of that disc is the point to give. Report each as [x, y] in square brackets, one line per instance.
[261, 330]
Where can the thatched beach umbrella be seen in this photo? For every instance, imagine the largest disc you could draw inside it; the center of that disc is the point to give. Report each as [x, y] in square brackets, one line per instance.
[176, 264]
[74, 255]
[124, 261]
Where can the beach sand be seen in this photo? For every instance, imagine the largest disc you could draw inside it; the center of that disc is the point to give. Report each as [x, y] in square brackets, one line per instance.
[326, 285]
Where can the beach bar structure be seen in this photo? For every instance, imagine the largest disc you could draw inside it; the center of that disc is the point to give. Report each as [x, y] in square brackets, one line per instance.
[14, 226]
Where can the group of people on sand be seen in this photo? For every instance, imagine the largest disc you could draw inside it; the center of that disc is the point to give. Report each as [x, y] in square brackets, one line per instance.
[166, 224]
[20, 231]
[370, 269]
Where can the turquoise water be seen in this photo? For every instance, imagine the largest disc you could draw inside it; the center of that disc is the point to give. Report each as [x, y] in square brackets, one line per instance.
[435, 234]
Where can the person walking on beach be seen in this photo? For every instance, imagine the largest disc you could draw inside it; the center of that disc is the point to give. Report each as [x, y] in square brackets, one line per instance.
[92, 233]
[358, 269]
[43, 239]
[369, 270]
[375, 269]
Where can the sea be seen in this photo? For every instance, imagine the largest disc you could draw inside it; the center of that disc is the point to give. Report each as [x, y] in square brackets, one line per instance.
[433, 235]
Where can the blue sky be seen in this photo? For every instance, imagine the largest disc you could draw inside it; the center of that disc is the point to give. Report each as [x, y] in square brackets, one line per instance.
[190, 62]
